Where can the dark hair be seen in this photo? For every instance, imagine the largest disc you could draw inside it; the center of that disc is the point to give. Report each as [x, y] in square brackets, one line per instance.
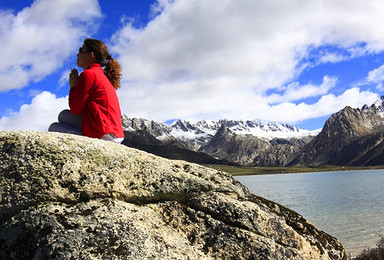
[112, 68]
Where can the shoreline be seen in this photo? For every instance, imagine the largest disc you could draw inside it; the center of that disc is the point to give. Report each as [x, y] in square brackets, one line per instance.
[256, 170]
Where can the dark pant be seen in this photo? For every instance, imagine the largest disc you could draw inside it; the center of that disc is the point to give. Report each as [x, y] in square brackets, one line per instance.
[68, 123]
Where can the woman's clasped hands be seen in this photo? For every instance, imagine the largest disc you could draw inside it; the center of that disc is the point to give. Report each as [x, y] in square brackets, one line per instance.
[73, 77]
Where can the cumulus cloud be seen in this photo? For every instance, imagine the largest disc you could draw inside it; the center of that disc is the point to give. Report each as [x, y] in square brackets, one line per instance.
[294, 91]
[36, 40]
[239, 59]
[376, 75]
[42, 111]
[326, 105]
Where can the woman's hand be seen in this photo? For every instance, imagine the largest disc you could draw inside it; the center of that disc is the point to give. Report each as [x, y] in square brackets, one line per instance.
[73, 76]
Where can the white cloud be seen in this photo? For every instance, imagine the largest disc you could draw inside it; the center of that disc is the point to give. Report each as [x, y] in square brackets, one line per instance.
[38, 115]
[210, 59]
[294, 91]
[63, 81]
[376, 75]
[380, 87]
[326, 105]
[37, 40]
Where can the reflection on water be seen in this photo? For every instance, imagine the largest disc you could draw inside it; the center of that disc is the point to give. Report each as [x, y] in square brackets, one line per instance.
[348, 205]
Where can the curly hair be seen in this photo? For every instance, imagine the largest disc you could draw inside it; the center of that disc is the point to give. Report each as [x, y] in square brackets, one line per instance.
[112, 68]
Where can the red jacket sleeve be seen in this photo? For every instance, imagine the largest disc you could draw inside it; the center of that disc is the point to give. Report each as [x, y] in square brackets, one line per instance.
[78, 95]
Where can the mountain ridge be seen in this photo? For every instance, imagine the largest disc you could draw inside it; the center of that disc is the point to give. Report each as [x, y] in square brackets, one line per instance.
[206, 141]
[351, 136]
[196, 134]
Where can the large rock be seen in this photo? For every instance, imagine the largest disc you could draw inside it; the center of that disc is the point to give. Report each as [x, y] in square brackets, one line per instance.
[70, 197]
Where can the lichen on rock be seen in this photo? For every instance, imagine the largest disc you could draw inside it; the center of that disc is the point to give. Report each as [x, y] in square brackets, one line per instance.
[71, 197]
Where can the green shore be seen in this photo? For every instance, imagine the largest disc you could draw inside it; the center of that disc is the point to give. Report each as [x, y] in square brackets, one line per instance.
[238, 170]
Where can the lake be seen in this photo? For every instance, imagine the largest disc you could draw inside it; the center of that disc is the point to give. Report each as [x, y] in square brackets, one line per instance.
[348, 205]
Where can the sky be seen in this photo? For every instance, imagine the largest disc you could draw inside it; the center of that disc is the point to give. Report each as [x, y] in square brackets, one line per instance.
[294, 62]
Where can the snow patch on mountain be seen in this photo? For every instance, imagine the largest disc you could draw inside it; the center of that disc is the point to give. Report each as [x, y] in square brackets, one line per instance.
[378, 105]
[262, 129]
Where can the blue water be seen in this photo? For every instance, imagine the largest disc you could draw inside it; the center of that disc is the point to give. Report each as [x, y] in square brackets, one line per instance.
[348, 205]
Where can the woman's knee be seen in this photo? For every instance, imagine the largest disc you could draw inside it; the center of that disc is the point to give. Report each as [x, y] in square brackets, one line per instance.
[64, 115]
[67, 117]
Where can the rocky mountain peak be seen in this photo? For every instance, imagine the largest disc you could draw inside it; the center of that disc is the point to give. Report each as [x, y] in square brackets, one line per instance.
[135, 124]
[354, 122]
[352, 136]
[185, 126]
[378, 105]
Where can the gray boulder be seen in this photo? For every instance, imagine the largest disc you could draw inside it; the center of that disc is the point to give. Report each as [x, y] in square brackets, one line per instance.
[71, 197]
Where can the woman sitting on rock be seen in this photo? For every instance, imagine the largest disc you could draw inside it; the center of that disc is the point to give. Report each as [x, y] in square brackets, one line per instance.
[95, 110]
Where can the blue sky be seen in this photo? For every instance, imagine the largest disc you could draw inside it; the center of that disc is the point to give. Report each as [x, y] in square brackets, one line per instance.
[293, 62]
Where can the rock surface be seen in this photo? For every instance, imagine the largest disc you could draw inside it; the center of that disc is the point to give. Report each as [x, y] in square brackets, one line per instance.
[70, 197]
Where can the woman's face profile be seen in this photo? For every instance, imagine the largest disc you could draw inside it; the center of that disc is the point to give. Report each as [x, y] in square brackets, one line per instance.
[83, 57]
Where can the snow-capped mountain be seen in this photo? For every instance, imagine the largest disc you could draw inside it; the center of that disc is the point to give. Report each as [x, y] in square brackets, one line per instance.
[159, 130]
[247, 138]
[199, 134]
[261, 129]
[196, 135]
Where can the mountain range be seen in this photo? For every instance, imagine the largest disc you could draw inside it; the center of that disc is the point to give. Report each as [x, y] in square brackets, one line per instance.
[352, 136]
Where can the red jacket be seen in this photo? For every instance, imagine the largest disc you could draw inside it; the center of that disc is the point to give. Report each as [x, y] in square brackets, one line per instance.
[96, 99]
